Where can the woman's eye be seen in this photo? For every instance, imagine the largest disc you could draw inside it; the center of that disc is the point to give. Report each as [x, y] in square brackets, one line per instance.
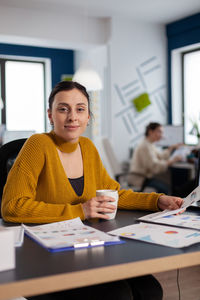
[62, 109]
[81, 109]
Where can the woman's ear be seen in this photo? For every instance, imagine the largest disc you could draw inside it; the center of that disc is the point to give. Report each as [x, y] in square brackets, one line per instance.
[88, 123]
[50, 116]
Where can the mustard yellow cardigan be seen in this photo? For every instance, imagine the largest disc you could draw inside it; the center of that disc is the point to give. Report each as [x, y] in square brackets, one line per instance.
[38, 190]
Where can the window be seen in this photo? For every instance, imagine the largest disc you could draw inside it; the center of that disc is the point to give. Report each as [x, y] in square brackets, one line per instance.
[23, 94]
[191, 94]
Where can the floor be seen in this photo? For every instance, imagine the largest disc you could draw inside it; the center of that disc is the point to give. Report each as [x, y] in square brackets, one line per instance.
[189, 283]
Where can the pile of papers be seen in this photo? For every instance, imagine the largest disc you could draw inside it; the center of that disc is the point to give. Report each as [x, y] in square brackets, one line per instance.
[152, 228]
[162, 235]
[69, 235]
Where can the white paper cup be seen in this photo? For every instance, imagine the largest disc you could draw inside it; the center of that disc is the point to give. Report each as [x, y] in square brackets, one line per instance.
[114, 195]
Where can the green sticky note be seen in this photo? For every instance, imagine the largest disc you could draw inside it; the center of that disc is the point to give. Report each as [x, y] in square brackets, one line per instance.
[141, 102]
[66, 77]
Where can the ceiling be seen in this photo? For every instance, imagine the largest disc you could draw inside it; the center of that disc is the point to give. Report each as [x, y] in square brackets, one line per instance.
[157, 11]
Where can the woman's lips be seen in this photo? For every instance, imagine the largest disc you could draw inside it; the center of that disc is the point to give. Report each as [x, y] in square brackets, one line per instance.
[71, 127]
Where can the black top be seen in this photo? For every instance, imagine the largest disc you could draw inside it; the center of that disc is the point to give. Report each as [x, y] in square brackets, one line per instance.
[77, 184]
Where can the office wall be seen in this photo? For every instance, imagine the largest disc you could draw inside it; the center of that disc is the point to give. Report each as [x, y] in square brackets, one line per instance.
[86, 36]
[130, 56]
[48, 28]
[138, 65]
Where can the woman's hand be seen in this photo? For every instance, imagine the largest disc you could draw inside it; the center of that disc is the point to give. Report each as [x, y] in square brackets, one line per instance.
[176, 146]
[169, 202]
[97, 207]
[174, 160]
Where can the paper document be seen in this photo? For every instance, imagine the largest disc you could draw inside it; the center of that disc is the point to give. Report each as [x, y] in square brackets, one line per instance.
[181, 220]
[190, 199]
[183, 151]
[68, 235]
[18, 234]
[177, 224]
[162, 235]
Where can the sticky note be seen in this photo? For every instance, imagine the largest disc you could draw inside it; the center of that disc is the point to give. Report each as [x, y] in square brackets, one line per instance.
[141, 102]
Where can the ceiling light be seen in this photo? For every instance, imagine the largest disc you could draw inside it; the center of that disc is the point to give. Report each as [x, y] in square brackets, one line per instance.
[88, 77]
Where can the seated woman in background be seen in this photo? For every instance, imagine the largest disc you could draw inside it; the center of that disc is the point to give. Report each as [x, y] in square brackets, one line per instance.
[56, 175]
[149, 161]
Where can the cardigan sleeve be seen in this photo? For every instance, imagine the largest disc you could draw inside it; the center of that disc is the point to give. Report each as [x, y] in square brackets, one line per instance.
[18, 201]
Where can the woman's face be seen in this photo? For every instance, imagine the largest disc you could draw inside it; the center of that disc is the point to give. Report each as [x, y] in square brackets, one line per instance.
[69, 114]
[156, 134]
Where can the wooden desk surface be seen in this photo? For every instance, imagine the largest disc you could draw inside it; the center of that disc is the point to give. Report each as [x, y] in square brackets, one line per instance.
[39, 271]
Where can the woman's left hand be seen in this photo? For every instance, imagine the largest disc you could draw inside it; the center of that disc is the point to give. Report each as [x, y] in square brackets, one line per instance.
[169, 202]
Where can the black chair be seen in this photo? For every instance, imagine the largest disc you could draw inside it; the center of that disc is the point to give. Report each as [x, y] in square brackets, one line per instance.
[8, 154]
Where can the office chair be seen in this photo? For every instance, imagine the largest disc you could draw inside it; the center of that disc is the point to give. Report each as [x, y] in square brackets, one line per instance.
[8, 154]
[124, 178]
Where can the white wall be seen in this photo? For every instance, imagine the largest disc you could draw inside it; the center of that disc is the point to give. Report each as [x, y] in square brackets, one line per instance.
[51, 29]
[138, 65]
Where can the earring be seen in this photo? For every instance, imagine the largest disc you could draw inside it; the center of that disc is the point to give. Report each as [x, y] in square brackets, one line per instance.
[51, 123]
[88, 123]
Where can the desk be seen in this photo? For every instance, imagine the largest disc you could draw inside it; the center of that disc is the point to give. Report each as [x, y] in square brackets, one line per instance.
[186, 166]
[38, 271]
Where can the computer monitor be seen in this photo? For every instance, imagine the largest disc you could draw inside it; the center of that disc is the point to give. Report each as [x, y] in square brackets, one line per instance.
[172, 135]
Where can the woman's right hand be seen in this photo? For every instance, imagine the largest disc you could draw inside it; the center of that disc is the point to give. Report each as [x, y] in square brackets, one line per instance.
[176, 146]
[97, 207]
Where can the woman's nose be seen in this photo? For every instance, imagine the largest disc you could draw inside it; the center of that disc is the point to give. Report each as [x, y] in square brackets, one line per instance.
[72, 115]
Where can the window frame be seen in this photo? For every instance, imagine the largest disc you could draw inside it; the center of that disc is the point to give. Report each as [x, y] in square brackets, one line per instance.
[46, 62]
[183, 53]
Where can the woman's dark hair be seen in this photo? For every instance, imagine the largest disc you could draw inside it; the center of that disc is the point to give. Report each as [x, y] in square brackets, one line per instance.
[67, 86]
[151, 126]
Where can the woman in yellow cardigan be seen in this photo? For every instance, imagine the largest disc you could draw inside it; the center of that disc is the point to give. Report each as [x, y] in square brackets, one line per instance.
[56, 174]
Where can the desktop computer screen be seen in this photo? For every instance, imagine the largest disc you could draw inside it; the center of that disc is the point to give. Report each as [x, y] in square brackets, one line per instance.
[172, 135]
